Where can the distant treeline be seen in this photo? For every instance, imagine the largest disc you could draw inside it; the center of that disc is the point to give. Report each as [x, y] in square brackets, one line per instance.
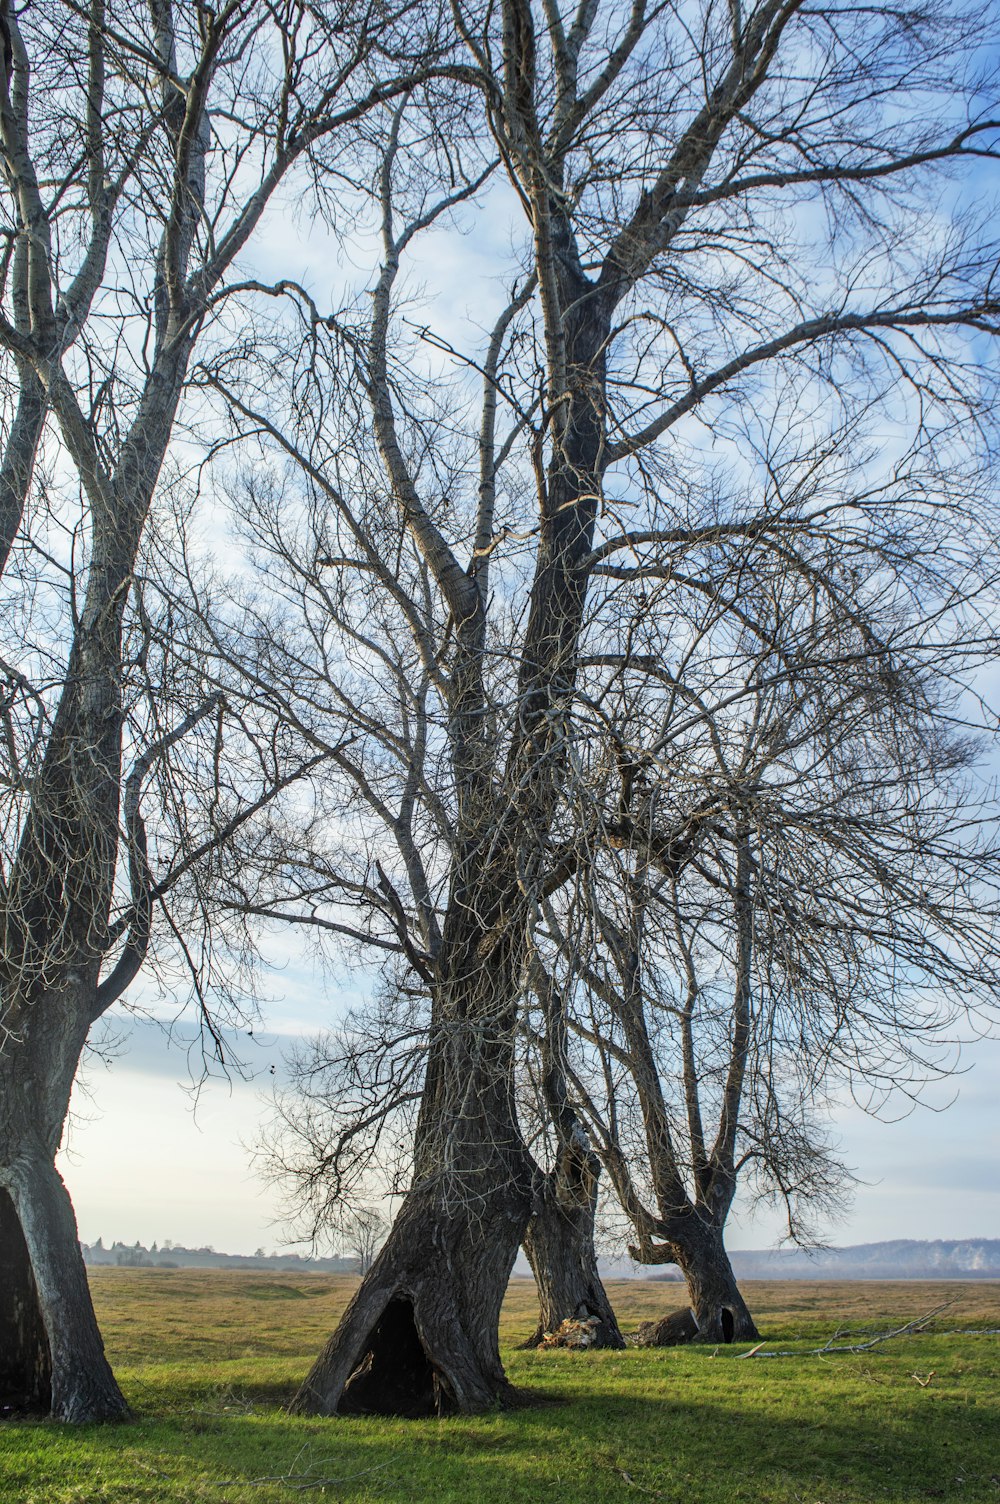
[902, 1258]
[172, 1255]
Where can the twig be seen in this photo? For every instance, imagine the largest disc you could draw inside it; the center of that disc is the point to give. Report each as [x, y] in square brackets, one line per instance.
[299, 1483]
[627, 1477]
[854, 1347]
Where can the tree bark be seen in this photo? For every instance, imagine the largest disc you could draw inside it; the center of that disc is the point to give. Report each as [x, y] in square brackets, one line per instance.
[559, 1240]
[82, 1385]
[559, 1244]
[25, 1361]
[421, 1335]
[50, 1343]
[718, 1307]
[18, 459]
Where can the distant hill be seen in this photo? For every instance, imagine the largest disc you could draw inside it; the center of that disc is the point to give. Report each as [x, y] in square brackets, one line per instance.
[174, 1256]
[902, 1258]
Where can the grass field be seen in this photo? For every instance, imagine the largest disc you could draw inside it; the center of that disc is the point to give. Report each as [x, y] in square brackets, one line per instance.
[207, 1359]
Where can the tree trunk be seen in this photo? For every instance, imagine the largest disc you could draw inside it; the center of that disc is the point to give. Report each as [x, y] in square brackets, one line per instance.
[420, 1335]
[61, 1354]
[559, 1244]
[51, 1351]
[716, 1303]
[25, 1362]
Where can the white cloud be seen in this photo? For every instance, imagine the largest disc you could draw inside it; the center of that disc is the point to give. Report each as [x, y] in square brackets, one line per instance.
[146, 1162]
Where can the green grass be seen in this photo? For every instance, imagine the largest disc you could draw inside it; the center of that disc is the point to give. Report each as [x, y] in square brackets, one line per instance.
[208, 1360]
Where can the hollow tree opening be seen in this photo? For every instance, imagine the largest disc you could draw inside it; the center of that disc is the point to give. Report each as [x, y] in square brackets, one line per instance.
[448, 1265]
[728, 1324]
[25, 1360]
[395, 1375]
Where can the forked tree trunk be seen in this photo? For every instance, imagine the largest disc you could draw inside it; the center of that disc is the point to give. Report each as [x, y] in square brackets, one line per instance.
[559, 1244]
[719, 1308]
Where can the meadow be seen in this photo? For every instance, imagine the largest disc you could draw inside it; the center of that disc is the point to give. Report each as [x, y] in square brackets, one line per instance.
[208, 1359]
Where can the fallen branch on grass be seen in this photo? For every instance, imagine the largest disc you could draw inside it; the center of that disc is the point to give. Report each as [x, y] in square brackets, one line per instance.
[298, 1482]
[910, 1329]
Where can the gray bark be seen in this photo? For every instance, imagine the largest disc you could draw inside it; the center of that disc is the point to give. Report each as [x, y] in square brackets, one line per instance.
[48, 1328]
[421, 1335]
[82, 1385]
[559, 1244]
[718, 1307]
[18, 460]
[559, 1241]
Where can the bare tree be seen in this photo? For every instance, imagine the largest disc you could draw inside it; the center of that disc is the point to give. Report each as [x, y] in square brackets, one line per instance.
[341, 1132]
[835, 915]
[559, 1240]
[368, 1228]
[803, 742]
[140, 150]
[453, 575]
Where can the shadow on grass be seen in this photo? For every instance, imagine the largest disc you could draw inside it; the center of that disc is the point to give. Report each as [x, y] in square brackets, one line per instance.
[588, 1434]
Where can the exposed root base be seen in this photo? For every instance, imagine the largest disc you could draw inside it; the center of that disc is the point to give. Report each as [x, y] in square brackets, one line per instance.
[681, 1327]
[106, 1412]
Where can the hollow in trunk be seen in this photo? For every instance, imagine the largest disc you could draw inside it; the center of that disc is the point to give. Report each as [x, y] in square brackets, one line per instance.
[716, 1302]
[25, 1361]
[420, 1336]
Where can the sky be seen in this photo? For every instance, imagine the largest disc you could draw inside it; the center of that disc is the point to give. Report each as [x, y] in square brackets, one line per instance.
[147, 1159]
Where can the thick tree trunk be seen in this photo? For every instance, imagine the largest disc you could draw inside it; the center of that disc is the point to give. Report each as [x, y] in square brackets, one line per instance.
[50, 1343]
[716, 1303]
[559, 1244]
[63, 1357]
[420, 1335]
[25, 1362]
